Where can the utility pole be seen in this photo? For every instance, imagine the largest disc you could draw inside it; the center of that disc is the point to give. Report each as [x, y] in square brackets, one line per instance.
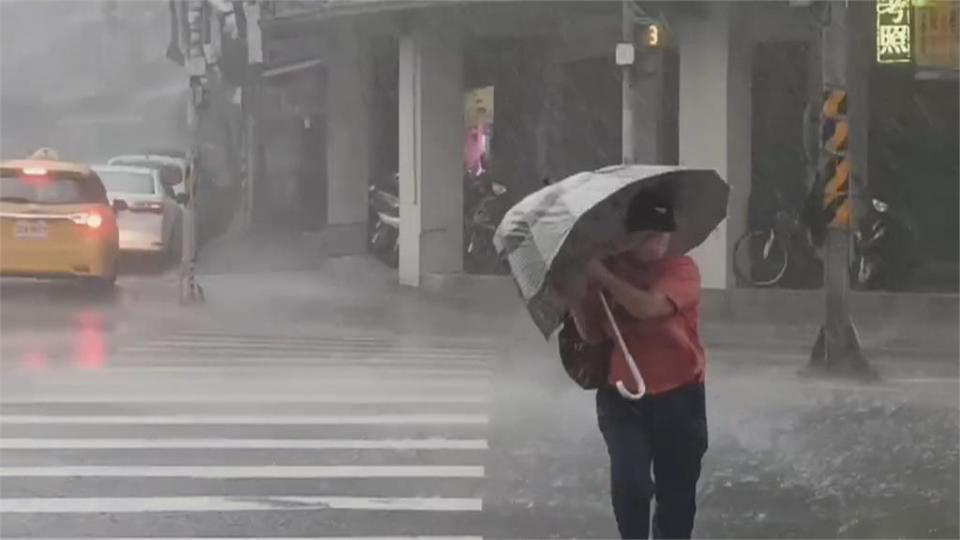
[842, 164]
[251, 107]
[626, 56]
[196, 64]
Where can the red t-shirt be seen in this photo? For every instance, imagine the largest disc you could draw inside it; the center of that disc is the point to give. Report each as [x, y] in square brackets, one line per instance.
[667, 350]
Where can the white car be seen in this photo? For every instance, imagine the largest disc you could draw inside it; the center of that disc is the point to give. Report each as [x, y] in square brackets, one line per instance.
[173, 171]
[148, 212]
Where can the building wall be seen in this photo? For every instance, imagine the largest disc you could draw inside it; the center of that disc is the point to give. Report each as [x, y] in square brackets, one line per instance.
[714, 121]
[348, 135]
[714, 42]
[717, 43]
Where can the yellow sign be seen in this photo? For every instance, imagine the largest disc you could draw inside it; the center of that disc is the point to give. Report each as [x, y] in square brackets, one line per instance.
[835, 104]
[836, 192]
[937, 35]
[836, 168]
[478, 106]
[894, 39]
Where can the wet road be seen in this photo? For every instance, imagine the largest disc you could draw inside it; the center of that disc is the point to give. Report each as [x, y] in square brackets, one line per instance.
[332, 404]
[243, 434]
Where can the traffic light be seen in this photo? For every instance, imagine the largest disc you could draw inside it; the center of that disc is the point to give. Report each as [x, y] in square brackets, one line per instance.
[652, 32]
[653, 35]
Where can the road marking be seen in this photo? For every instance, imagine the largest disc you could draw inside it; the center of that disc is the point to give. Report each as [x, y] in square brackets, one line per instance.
[258, 358]
[335, 333]
[202, 419]
[265, 399]
[246, 472]
[342, 356]
[104, 505]
[926, 380]
[273, 538]
[101, 383]
[287, 360]
[331, 348]
[300, 371]
[385, 345]
[236, 444]
[382, 344]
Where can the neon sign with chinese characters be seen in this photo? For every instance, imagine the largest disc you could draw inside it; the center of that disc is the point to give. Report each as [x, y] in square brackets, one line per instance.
[894, 39]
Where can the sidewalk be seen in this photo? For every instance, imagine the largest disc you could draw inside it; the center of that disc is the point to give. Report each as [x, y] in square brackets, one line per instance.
[265, 252]
[367, 292]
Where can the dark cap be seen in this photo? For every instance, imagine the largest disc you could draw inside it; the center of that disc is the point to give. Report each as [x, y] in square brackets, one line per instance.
[651, 210]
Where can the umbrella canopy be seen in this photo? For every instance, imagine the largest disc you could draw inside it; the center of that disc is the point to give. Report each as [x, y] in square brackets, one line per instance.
[565, 224]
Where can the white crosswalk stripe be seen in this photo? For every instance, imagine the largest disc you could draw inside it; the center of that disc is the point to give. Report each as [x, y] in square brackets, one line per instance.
[238, 398]
[277, 538]
[369, 419]
[238, 422]
[268, 444]
[62, 505]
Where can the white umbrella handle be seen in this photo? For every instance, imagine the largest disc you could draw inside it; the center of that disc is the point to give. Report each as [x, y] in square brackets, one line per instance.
[631, 363]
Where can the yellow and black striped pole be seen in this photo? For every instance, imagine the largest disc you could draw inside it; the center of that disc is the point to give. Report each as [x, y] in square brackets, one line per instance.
[836, 169]
[843, 64]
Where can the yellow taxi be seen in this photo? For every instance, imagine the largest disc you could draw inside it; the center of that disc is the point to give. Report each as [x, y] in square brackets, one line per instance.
[56, 221]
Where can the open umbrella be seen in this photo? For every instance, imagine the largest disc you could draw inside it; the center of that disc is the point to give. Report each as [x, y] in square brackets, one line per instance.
[563, 225]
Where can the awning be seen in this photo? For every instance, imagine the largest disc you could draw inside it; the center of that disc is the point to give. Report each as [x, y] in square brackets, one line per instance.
[294, 13]
[292, 68]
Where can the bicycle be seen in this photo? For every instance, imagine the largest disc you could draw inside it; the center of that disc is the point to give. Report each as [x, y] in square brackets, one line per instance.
[761, 257]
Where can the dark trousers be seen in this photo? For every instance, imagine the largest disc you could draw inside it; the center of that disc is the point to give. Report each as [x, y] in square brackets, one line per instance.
[669, 431]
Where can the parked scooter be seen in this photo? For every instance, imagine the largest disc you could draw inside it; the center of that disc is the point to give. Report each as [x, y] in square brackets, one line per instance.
[485, 203]
[886, 249]
[384, 223]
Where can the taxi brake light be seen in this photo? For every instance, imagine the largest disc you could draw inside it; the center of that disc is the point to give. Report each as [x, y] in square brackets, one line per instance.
[34, 171]
[93, 220]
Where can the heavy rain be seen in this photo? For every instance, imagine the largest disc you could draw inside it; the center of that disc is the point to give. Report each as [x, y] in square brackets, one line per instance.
[285, 269]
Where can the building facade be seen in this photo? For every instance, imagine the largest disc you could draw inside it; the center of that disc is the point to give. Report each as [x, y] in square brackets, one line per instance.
[361, 89]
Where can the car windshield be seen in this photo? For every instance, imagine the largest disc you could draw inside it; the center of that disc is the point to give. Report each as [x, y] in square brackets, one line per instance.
[127, 182]
[170, 174]
[49, 190]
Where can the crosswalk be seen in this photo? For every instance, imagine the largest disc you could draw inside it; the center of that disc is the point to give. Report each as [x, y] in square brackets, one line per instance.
[218, 434]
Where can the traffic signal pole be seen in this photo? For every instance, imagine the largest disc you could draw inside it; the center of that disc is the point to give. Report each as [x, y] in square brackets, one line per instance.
[190, 290]
[627, 73]
[843, 160]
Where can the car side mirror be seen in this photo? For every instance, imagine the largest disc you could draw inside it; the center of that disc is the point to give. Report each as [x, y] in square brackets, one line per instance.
[119, 205]
[182, 198]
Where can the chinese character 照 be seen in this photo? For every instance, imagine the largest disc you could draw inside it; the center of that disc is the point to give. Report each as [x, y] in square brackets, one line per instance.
[893, 41]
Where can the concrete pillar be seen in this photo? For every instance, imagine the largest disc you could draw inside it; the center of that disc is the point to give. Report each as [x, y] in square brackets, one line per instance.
[349, 78]
[430, 154]
[714, 120]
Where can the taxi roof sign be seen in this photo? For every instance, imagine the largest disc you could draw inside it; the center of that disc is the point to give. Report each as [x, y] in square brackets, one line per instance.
[45, 153]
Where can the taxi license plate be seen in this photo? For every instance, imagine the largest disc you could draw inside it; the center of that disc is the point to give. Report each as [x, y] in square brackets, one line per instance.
[31, 230]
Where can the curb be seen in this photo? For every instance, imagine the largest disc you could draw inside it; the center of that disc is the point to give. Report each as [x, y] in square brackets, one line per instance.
[778, 306]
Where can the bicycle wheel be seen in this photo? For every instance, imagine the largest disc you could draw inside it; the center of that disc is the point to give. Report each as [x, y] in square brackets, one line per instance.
[760, 258]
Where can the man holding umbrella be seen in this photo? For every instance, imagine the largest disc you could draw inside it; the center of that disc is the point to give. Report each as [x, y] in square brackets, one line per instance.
[655, 301]
[608, 247]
